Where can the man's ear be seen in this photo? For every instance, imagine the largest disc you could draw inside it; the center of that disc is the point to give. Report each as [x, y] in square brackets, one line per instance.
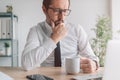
[44, 9]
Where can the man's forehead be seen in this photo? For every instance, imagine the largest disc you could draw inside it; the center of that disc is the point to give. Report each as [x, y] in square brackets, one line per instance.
[56, 3]
[59, 1]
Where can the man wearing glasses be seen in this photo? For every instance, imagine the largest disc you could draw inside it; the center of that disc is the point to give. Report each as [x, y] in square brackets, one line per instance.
[43, 39]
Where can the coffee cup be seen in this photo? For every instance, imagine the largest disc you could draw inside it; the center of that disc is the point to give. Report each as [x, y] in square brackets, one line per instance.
[72, 65]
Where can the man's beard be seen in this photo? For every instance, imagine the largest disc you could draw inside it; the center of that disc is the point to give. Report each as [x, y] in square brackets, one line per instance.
[57, 21]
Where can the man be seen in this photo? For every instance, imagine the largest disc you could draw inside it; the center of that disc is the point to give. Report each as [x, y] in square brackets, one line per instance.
[43, 38]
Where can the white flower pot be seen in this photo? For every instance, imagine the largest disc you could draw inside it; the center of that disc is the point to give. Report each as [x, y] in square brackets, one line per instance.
[8, 51]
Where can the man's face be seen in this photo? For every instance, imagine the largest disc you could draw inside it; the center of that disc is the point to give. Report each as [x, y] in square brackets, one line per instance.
[57, 11]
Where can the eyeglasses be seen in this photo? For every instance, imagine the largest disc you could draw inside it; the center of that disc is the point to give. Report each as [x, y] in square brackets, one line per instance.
[58, 11]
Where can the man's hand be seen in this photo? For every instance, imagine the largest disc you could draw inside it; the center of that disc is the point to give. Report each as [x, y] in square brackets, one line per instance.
[87, 65]
[58, 32]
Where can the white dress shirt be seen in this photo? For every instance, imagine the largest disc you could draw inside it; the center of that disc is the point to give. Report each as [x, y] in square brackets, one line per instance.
[39, 48]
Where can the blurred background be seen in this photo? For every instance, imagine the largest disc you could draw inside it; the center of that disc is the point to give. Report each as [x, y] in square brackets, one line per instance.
[84, 12]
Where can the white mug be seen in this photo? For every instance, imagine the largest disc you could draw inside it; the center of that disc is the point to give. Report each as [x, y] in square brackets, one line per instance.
[72, 65]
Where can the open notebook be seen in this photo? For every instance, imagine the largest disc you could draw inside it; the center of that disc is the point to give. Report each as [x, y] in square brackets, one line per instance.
[4, 76]
[112, 61]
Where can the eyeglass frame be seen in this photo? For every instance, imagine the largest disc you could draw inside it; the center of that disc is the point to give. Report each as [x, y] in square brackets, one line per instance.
[59, 11]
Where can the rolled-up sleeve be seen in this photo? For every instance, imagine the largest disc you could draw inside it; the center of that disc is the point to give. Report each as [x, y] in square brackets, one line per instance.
[36, 52]
[84, 47]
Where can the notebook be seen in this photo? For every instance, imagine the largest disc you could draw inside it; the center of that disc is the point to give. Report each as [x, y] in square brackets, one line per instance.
[4, 76]
[112, 61]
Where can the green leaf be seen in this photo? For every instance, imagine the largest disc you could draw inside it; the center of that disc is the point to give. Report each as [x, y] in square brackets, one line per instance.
[103, 32]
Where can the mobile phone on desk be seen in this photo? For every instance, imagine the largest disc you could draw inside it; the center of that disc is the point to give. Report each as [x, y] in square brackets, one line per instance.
[38, 77]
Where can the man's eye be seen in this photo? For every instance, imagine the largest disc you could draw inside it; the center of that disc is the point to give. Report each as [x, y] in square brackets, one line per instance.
[56, 10]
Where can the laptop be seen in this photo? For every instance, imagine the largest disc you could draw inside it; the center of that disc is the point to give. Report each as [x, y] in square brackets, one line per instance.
[112, 61]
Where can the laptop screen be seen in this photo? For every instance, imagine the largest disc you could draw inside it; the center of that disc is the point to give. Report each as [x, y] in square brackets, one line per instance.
[112, 61]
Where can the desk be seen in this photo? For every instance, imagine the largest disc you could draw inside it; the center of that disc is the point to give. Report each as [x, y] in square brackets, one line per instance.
[57, 73]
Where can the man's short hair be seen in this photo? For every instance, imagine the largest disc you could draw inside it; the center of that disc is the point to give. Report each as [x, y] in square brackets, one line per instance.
[46, 3]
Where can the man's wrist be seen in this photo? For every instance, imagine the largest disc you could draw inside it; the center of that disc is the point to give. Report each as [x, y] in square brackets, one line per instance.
[54, 39]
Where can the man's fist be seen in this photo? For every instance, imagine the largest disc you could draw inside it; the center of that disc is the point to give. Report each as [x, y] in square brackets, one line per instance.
[87, 65]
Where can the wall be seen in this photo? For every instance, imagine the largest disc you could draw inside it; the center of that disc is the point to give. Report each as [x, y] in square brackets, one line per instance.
[85, 12]
[29, 12]
[115, 6]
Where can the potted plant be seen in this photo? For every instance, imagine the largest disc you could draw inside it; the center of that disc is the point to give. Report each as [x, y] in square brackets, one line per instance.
[103, 33]
[7, 48]
[9, 8]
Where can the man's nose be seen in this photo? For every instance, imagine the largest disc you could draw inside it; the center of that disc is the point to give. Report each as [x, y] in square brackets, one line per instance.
[61, 16]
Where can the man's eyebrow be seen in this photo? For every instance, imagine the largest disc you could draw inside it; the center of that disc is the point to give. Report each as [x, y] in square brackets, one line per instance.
[60, 9]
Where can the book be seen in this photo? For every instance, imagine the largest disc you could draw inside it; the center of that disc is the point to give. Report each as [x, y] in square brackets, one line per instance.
[3, 28]
[8, 28]
[0, 27]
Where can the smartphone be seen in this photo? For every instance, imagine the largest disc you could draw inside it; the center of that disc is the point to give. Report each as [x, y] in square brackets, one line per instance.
[38, 77]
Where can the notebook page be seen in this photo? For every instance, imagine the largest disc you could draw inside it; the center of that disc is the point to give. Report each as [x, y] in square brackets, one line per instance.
[4, 76]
